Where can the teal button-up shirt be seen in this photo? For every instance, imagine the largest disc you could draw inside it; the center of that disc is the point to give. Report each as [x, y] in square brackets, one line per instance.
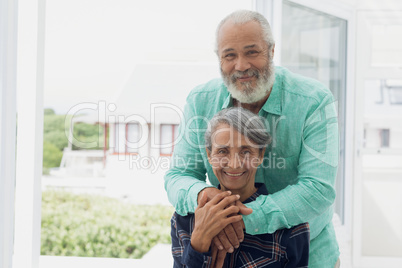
[299, 167]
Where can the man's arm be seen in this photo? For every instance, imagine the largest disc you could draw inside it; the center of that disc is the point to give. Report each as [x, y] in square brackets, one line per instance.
[314, 192]
[186, 176]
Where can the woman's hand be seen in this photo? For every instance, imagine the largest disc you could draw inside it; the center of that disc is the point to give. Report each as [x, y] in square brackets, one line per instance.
[212, 217]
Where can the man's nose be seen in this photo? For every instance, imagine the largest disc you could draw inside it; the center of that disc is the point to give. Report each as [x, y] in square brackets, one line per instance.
[242, 64]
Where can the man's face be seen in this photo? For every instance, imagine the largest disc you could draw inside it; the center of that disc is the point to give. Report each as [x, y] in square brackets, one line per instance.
[246, 62]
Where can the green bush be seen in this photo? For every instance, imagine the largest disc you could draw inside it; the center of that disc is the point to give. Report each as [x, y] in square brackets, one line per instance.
[97, 226]
[51, 155]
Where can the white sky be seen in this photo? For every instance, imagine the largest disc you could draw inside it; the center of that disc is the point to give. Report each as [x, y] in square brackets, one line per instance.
[92, 46]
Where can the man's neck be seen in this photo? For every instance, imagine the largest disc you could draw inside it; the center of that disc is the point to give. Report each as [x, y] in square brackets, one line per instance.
[253, 107]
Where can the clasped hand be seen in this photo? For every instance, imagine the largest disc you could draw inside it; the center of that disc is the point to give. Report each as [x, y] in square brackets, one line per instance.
[218, 224]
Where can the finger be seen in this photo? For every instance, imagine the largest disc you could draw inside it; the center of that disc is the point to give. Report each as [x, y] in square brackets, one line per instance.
[230, 211]
[225, 242]
[232, 219]
[226, 201]
[238, 228]
[232, 235]
[203, 200]
[210, 192]
[219, 197]
[243, 209]
[220, 259]
[217, 243]
[214, 254]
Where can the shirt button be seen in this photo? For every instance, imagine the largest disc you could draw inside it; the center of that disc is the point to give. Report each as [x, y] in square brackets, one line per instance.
[256, 230]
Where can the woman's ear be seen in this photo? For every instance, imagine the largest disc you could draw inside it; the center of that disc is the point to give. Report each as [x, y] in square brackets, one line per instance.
[208, 154]
[261, 157]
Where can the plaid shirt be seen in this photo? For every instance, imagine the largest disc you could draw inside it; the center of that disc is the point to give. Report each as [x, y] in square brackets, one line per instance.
[284, 248]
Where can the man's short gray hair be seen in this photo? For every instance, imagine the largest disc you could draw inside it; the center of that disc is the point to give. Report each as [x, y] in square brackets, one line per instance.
[243, 121]
[242, 17]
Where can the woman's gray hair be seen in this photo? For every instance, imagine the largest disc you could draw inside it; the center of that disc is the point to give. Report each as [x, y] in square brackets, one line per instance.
[243, 121]
[242, 17]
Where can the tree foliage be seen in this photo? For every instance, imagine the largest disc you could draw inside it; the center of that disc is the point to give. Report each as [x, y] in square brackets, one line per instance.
[55, 136]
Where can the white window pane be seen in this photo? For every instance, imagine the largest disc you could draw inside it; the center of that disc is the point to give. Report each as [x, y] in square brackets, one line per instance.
[120, 142]
[166, 139]
[133, 137]
[382, 110]
[386, 48]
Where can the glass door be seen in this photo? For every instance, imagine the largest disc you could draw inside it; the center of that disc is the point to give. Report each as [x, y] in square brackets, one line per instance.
[313, 44]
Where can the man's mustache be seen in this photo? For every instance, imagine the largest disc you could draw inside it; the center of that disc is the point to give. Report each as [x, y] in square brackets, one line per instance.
[249, 72]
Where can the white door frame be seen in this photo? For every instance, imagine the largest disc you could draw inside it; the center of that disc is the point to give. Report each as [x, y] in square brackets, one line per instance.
[30, 65]
[8, 104]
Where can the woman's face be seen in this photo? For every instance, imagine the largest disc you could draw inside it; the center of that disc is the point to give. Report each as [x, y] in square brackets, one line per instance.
[234, 160]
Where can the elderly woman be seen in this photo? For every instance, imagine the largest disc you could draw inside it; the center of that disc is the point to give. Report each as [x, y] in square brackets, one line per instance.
[235, 141]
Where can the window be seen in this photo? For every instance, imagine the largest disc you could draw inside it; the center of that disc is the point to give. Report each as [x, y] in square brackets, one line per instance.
[126, 138]
[169, 134]
[77, 76]
[314, 45]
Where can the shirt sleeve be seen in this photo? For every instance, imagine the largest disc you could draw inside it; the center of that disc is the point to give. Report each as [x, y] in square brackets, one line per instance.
[297, 248]
[183, 253]
[314, 192]
[186, 176]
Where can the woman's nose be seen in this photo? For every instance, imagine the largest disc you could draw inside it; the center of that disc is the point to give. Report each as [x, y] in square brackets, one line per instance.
[234, 161]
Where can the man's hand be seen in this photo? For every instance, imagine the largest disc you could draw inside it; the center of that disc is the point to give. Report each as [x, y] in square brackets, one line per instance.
[210, 192]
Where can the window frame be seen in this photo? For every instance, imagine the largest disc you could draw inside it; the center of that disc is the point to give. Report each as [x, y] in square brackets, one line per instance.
[8, 125]
[116, 144]
[30, 84]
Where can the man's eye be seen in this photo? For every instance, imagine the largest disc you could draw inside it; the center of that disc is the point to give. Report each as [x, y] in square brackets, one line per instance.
[229, 56]
[252, 52]
[221, 151]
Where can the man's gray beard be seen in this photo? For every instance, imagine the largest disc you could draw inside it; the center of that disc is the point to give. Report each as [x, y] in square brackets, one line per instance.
[265, 81]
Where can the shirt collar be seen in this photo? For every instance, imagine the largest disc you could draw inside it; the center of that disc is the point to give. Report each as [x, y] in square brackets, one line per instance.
[228, 102]
[273, 105]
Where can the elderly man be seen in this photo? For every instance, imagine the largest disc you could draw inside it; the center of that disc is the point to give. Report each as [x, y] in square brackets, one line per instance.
[299, 166]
